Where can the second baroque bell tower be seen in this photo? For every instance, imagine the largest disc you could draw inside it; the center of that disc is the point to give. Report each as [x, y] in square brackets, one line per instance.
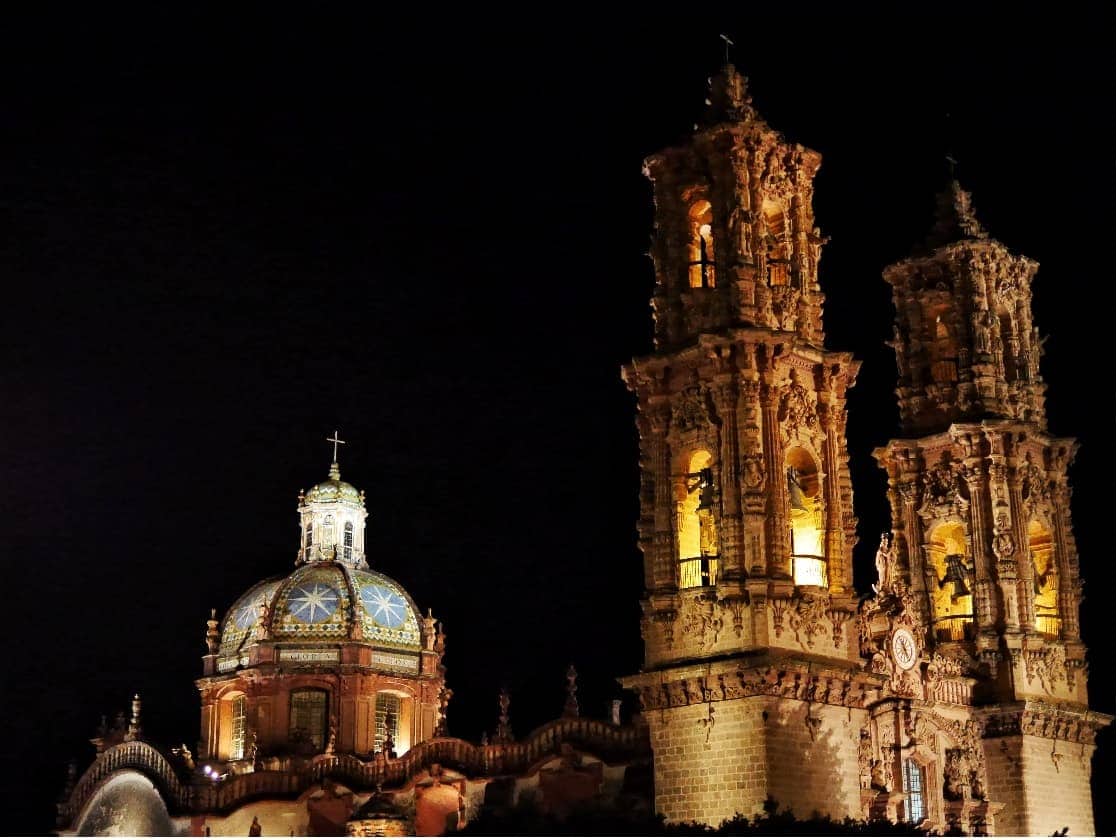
[751, 683]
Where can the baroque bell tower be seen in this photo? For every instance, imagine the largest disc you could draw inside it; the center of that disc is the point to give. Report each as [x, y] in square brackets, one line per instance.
[746, 522]
[982, 544]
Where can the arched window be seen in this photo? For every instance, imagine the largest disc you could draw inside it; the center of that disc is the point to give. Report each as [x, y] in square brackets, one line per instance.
[913, 786]
[954, 580]
[943, 366]
[775, 243]
[1046, 617]
[701, 255]
[697, 541]
[348, 541]
[308, 535]
[806, 519]
[237, 728]
[307, 718]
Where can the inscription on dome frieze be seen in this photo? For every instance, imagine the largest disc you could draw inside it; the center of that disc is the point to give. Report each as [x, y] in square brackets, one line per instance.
[297, 655]
[396, 661]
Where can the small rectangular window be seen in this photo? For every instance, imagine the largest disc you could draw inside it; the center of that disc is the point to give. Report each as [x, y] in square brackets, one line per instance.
[912, 785]
[237, 737]
[387, 716]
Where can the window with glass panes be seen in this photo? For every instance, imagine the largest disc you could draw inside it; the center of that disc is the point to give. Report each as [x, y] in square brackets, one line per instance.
[387, 717]
[308, 718]
[914, 788]
[237, 731]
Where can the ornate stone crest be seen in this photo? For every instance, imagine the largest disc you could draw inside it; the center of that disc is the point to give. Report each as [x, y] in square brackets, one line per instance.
[690, 410]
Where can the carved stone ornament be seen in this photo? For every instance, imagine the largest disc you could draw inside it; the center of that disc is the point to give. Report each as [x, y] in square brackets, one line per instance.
[940, 493]
[1048, 666]
[809, 618]
[791, 682]
[796, 408]
[754, 474]
[690, 410]
[703, 619]
[1036, 493]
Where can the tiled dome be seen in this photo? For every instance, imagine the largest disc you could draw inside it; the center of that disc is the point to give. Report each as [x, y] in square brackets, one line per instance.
[333, 490]
[323, 602]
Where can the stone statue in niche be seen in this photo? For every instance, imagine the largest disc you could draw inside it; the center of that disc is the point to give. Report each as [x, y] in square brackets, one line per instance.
[982, 326]
[884, 564]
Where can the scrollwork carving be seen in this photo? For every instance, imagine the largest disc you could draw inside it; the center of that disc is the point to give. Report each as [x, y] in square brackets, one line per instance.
[690, 410]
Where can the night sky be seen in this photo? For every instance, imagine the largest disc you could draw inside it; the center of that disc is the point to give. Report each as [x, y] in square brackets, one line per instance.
[222, 237]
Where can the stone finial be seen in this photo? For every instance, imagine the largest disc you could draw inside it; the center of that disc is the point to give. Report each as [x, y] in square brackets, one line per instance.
[134, 730]
[571, 704]
[429, 631]
[445, 695]
[954, 218]
[260, 628]
[504, 733]
[71, 778]
[441, 639]
[213, 637]
[728, 98]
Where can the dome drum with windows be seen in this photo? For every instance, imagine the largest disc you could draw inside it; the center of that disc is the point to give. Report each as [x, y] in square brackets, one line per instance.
[280, 652]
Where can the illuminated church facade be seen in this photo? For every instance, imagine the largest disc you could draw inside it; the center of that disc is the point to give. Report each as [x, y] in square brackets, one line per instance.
[953, 697]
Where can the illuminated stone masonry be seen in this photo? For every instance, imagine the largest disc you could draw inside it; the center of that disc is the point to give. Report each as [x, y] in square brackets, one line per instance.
[324, 712]
[981, 542]
[763, 674]
[954, 698]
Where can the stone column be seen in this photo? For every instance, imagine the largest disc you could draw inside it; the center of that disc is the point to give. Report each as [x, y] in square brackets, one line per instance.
[778, 561]
[726, 396]
[1069, 583]
[839, 573]
[664, 505]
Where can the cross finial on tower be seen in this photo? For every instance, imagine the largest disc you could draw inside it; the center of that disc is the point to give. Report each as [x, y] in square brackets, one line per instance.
[952, 161]
[727, 45]
[336, 440]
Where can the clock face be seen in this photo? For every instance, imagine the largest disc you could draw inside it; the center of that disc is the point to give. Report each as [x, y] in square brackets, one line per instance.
[904, 649]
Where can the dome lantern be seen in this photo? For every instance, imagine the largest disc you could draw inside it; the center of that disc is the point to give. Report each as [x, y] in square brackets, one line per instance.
[332, 520]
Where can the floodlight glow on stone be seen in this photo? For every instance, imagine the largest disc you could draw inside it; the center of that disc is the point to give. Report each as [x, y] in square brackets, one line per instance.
[312, 603]
[384, 606]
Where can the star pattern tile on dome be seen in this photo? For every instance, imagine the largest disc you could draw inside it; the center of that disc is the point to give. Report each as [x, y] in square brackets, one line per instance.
[314, 603]
[243, 615]
[384, 606]
[388, 614]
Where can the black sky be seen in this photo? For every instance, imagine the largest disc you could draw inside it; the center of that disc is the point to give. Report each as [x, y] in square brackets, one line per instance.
[221, 237]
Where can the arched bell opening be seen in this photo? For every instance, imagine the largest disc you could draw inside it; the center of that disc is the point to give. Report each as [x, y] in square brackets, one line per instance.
[701, 251]
[954, 582]
[1047, 619]
[806, 518]
[697, 539]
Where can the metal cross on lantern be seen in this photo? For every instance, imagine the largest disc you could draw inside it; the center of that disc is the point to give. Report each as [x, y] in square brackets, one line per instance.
[336, 441]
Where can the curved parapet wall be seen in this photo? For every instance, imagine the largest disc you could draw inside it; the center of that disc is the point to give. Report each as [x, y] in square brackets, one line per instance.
[615, 744]
[131, 755]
